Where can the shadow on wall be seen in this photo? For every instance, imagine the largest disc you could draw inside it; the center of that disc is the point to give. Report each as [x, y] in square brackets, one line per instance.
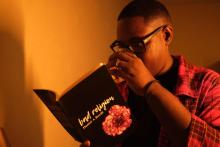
[21, 121]
[215, 66]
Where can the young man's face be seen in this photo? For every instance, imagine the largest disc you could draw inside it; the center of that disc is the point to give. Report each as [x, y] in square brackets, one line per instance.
[156, 54]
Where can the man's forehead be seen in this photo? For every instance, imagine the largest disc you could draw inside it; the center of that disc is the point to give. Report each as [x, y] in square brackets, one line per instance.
[135, 27]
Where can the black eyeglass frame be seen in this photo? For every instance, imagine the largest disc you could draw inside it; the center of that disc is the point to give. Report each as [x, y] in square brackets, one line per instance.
[140, 41]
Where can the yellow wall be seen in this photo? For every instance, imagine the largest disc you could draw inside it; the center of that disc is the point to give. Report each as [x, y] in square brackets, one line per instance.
[49, 44]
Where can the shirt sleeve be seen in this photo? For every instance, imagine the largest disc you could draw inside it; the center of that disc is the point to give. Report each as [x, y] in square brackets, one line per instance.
[204, 129]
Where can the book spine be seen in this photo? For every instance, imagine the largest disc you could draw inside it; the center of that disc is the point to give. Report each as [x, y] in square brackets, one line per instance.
[49, 99]
[74, 131]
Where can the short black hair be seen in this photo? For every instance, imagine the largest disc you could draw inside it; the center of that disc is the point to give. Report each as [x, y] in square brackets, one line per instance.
[145, 8]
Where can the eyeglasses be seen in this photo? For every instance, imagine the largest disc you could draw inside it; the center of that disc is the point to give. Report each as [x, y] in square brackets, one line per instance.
[137, 44]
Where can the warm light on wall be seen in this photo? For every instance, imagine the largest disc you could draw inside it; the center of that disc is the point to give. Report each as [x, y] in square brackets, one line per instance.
[3, 140]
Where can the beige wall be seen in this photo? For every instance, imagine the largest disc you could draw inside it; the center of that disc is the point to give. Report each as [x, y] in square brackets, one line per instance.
[49, 44]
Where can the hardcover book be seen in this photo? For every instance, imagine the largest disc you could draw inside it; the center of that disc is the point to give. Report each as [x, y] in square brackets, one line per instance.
[91, 109]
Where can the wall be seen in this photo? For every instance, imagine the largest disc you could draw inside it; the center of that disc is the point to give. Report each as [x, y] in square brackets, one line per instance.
[63, 40]
[13, 99]
[49, 44]
[197, 31]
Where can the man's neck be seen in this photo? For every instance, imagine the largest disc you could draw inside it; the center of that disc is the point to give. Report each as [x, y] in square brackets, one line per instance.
[166, 66]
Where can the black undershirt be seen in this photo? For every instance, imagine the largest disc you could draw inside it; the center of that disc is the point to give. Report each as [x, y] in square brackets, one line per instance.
[147, 128]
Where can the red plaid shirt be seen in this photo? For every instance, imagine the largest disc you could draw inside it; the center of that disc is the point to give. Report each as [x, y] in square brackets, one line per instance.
[198, 89]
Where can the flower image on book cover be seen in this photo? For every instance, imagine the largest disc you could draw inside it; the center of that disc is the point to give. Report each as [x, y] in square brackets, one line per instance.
[95, 107]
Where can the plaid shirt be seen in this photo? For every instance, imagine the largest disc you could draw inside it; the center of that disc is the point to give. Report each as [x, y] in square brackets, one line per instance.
[199, 91]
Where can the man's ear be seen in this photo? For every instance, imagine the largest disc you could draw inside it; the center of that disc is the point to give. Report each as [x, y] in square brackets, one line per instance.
[168, 34]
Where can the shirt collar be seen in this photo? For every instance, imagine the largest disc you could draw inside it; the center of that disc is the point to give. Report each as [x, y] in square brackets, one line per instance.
[186, 84]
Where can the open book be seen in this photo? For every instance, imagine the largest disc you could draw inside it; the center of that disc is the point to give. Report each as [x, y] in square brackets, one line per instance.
[91, 109]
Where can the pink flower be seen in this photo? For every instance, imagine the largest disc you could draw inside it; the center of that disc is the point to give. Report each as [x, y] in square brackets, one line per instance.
[117, 121]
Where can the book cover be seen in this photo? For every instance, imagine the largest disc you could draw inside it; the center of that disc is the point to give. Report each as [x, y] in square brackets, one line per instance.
[92, 109]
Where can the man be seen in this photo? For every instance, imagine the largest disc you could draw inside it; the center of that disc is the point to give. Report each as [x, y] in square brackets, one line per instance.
[175, 103]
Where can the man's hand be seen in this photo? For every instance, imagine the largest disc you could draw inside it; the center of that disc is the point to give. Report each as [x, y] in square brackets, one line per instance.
[131, 68]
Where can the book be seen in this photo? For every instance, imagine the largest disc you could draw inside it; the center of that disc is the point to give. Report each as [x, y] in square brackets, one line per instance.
[91, 109]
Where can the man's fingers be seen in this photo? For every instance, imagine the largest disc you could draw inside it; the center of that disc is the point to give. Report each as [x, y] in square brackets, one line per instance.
[123, 65]
[124, 56]
[119, 72]
[112, 60]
